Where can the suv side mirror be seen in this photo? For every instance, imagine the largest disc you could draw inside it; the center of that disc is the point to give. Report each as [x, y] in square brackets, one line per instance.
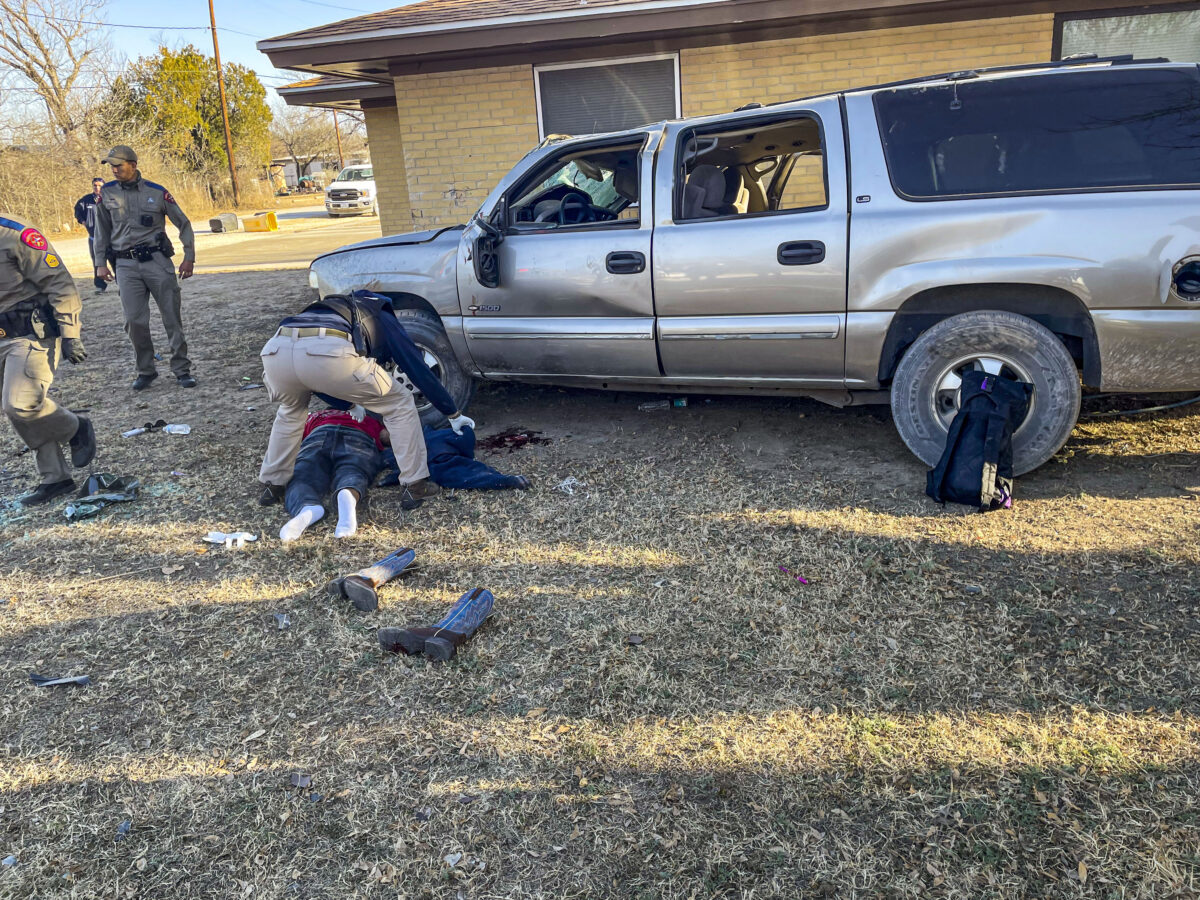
[487, 262]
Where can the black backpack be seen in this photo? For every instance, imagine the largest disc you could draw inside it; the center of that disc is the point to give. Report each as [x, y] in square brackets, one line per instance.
[976, 468]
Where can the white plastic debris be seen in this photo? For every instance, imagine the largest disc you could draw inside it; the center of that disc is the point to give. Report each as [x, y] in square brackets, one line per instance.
[569, 484]
[233, 539]
[178, 429]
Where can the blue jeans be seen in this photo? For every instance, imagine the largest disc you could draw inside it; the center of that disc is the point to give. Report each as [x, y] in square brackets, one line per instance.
[332, 457]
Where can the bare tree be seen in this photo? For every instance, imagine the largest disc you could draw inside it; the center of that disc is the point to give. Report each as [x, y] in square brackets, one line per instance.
[304, 135]
[46, 47]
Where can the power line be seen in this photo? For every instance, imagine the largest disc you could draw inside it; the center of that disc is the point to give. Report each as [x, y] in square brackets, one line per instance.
[335, 6]
[145, 27]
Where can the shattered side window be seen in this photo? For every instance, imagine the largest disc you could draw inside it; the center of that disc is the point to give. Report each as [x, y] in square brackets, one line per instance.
[1064, 131]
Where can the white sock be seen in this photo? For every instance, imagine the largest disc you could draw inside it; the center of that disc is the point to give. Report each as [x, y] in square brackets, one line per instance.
[347, 522]
[295, 526]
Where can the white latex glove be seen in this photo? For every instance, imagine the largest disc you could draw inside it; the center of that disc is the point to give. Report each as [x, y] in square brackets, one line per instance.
[459, 422]
[358, 413]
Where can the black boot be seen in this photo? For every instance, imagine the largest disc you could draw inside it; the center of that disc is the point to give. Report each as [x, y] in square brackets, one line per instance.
[83, 444]
[143, 381]
[44, 493]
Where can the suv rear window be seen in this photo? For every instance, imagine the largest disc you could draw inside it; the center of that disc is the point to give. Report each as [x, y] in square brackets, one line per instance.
[1068, 131]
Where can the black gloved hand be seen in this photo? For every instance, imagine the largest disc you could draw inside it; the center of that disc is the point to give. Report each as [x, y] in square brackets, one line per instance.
[72, 349]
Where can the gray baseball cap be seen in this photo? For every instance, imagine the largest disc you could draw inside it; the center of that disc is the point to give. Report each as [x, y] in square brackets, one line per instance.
[118, 154]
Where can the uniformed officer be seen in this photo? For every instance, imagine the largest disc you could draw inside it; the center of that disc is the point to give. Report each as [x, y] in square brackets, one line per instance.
[130, 221]
[333, 348]
[38, 305]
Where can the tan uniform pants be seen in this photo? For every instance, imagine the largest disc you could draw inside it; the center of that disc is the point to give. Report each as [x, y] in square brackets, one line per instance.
[26, 372]
[295, 368]
[139, 281]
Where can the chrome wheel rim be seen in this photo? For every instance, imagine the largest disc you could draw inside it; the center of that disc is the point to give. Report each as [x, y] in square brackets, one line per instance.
[401, 378]
[946, 398]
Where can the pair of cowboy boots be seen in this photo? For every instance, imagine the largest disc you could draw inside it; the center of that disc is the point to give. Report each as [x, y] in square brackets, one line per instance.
[441, 641]
[362, 588]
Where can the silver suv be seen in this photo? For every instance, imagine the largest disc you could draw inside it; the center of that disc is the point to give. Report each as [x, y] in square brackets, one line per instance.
[860, 247]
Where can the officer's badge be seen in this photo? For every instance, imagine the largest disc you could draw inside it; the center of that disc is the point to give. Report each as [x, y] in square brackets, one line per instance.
[31, 237]
[3, 333]
[53, 261]
[149, 201]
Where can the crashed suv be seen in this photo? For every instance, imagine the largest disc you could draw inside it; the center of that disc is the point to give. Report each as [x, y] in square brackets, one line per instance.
[866, 246]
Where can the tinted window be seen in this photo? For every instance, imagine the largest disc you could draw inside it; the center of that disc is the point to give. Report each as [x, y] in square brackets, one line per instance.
[1065, 131]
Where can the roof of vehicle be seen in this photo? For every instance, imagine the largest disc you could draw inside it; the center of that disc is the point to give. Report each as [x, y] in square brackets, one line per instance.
[1082, 62]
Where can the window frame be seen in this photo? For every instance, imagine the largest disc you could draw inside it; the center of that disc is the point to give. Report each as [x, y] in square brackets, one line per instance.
[678, 181]
[1062, 18]
[625, 137]
[1032, 192]
[592, 63]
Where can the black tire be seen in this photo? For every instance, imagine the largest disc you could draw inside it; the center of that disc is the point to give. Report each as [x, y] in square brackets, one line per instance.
[923, 399]
[427, 333]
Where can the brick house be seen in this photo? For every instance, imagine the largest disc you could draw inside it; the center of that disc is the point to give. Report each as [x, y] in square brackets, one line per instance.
[454, 92]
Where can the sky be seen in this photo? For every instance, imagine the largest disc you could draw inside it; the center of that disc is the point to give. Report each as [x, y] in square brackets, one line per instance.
[254, 19]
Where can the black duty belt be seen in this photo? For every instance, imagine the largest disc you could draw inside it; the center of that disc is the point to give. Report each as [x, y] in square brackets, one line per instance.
[142, 252]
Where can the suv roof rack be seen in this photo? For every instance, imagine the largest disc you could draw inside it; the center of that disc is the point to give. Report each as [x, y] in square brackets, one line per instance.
[1079, 59]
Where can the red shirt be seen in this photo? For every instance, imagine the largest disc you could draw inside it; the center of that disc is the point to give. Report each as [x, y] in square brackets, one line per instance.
[368, 425]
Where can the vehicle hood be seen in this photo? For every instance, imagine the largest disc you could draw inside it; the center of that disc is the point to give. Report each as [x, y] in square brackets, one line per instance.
[449, 233]
[357, 185]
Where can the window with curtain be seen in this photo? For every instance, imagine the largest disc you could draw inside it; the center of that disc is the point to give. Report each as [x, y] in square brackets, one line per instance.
[1173, 34]
[613, 96]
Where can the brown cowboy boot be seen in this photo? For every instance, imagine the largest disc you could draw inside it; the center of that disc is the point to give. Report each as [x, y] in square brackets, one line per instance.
[362, 587]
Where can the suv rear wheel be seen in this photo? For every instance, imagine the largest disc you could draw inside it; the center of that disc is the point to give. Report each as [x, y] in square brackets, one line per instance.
[427, 333]
[925, 389]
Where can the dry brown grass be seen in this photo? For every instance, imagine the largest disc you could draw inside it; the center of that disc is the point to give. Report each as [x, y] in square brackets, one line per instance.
[886, 730]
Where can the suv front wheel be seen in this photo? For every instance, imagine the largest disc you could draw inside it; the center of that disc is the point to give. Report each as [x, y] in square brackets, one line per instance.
[426, 331]
[925, 389]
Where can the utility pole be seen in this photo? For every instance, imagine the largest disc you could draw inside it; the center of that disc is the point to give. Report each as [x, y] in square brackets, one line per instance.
[341, 161]
[224, 110]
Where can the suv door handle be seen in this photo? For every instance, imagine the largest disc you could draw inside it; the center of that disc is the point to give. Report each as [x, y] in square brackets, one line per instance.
[625, 262]
[800, 253]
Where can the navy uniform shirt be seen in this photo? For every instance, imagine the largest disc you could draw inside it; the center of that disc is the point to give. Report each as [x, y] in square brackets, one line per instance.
[394, 347]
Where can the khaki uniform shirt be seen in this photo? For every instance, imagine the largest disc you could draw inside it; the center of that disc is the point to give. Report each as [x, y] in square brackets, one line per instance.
[29, 267]
[122, 209]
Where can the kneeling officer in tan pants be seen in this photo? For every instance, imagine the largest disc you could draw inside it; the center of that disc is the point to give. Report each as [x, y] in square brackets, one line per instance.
[333, 348]
[38, 305]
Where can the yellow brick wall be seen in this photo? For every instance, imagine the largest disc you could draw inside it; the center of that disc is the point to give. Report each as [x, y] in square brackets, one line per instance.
[720, 79]
[454, 134]
[462, 132]
[386, 144]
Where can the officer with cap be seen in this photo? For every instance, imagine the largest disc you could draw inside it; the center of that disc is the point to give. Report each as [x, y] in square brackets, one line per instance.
[39, 305]
[130, 222]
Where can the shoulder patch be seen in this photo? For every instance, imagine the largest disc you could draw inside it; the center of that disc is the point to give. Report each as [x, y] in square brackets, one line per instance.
[9, 223]
[167, 196]
[31, 237]
[52, 261]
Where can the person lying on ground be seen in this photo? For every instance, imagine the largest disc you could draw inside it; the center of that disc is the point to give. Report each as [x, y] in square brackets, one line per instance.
[335, 348]
[340, 452]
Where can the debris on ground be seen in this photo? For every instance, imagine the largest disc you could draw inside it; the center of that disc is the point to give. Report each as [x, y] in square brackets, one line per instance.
[160, 425]
[283, 621]
[569, 484]
[101, 489]
[9, 860]
[799, 578]
[651, 405]
[47, 681]
[250, 387]
[634, 639]
[123, 830]
[232, 539]
[510, 440]
[298, 780]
